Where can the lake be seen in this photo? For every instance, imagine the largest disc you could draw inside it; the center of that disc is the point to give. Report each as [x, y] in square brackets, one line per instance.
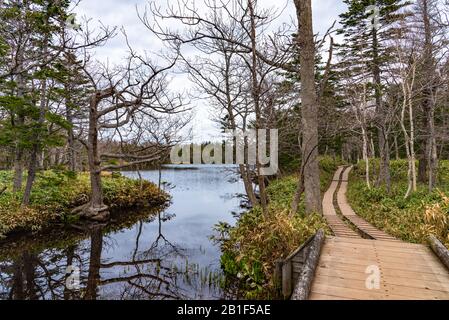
[167, 254]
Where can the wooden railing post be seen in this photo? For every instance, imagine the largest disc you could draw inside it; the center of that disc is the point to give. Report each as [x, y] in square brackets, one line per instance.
[278, 275]
[287, 279]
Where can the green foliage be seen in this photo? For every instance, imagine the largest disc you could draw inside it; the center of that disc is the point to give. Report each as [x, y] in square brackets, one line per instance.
[257, 241]
[25, 124]
[366, 50]
[251, 248]
[411, 219]
[57, 192]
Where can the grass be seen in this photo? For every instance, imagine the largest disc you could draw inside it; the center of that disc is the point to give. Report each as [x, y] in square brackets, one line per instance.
[412, 219]
[251, 248]
[55, 193]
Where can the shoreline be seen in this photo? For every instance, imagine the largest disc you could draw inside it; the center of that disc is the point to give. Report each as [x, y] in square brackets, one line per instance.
[59, 195]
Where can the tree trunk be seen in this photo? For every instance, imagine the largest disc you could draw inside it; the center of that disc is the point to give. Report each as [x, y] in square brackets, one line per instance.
[18, 169]
[19, 152]
[396, 147]
[433, 154]
[373, 149]
[248, 185]
[412, 138]
[407, 140]
[97, 209]
[309, 107]
[71, 154]
[33, 164]
[256, 97]
[365, 156]
[429, 101]
[384, 147]
[244, 169]
[93, 278]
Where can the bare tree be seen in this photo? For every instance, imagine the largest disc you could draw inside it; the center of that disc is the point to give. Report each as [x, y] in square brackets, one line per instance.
[239, 28]
[120, 95]
[430, 31]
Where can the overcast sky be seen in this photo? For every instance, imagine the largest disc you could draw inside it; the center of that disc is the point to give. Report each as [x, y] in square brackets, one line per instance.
[123, 13]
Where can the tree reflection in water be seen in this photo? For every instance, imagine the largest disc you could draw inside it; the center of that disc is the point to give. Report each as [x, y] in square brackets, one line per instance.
[139, 255]
[152, 271]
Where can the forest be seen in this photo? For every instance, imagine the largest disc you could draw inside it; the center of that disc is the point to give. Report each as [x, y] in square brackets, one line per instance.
[86, 143]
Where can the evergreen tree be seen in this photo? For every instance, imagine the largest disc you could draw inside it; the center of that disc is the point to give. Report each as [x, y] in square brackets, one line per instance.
[367, 28]
[73, 90]
[30, 32]
[48, 18]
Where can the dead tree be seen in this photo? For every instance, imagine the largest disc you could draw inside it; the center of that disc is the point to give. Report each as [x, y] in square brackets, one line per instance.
[277, 52]
[120, 95]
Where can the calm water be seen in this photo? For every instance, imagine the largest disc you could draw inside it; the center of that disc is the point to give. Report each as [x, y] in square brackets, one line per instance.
[161, 255]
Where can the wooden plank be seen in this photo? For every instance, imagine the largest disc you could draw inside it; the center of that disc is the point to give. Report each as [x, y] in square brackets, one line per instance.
[413, 283]
[318, 296]
[385, 265]
[430, 266]
[378, 250]
[356, 294]
[389, 251]
[383, 243]
[430, 277]
[417, 260]
[386, 288]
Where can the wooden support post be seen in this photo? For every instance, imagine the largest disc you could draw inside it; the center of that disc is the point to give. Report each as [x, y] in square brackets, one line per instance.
[302, 288]
[287, 279]
[278, 275]
[440, 250]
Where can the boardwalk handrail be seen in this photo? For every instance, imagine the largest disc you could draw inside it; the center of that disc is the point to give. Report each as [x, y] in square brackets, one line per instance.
[440, 250]
[302, 261]
[302, 288]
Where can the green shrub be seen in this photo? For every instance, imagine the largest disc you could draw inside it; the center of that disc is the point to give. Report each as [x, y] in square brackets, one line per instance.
[258, 241]
[55, 193]
[251, 248]
[412, 219]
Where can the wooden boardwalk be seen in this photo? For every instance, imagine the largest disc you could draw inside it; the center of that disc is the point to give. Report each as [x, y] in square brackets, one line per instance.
[378, 267]
[366, 228]
[339, 228]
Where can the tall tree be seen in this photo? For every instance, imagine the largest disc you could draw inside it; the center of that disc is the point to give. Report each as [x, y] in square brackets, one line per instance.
[431, 36]
[367, 28]
[309, 107]
[48, 25]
